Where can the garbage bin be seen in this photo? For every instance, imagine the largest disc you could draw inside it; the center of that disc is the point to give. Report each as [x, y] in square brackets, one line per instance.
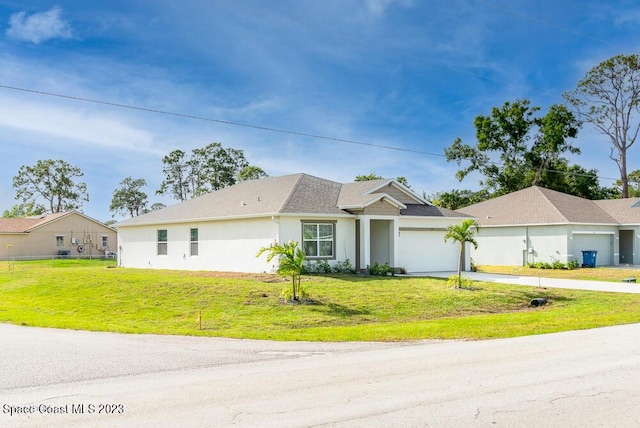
[589, 258]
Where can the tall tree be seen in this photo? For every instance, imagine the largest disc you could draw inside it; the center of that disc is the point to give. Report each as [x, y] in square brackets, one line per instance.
[462, 233]
[24, 210]
[129, 198]
[251, 172]
[373, 176]
[207, 169]
[516, 149]
[178, 181]
[633, 183]
[455, 198]
[368, 177]
[608, 97]
[53, 181]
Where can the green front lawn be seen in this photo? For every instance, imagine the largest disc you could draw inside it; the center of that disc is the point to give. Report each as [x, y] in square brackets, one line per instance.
[344, 308]
[587, 274]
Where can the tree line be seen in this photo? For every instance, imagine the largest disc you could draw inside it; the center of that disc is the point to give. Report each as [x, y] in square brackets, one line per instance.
[52, 186]
[516, 147]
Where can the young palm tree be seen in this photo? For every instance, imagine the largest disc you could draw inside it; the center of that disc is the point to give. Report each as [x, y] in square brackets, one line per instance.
[290, 262]
[462, 233]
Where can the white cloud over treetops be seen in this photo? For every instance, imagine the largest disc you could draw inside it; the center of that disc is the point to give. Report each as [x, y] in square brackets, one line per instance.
[39, 27]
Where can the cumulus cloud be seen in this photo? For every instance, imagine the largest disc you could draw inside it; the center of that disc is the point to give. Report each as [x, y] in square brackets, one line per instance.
[39, 27]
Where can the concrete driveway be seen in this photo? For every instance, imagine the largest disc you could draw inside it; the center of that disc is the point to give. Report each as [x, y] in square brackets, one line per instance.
[59, 378]
[616, 287]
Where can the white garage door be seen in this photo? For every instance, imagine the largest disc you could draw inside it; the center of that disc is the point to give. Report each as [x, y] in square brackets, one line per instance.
[426, 251]
[603, 244]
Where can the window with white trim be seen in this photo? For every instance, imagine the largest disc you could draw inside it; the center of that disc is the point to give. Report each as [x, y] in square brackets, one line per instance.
[162, 242]
[194, 241]
[318, 239]
[105, 241]
[59, 241]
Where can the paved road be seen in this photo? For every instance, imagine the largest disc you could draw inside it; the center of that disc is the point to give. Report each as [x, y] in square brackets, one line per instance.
[587, 378]
[615, 287]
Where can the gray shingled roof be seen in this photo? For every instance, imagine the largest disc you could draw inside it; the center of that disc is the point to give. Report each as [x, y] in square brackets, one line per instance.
[267, 196]
[290, 194]
[537, 205]
[623, 210]
[357, 193]
[430, 211]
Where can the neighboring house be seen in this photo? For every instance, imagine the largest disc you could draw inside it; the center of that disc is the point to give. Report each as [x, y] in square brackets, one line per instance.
[542, 225]
[71, 233]
[367, 222]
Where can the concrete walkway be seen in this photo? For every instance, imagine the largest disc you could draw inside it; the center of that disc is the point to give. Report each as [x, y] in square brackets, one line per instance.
[616, 287]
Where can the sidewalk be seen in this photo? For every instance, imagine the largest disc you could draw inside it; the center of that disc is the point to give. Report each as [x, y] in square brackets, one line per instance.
[616, 287]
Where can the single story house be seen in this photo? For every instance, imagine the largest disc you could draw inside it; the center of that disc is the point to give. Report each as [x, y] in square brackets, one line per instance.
[47, 235]
[367, 222]
[542, 225]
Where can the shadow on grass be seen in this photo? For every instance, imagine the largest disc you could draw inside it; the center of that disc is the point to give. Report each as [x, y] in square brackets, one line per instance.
[337, 310]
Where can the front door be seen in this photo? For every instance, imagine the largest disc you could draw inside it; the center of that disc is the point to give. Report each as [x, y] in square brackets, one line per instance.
[626, 247]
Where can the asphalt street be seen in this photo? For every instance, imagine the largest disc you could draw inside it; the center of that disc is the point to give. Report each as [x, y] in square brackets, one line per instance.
[67, 378]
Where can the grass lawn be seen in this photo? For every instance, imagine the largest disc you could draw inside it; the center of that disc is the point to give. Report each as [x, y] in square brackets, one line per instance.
[588, 274]
[90, 296]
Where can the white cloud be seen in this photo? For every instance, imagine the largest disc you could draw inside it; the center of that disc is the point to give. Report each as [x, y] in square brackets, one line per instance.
[39, 27]
[378, 7]
[75, 126]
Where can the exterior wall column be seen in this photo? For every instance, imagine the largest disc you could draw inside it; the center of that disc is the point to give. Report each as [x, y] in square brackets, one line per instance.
[395, 242]
[365, 242]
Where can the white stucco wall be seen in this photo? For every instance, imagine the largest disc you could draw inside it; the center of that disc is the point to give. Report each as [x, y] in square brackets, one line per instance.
[505, 246]
[499, 246]
[222, 246]
[231, 245]
[548, 244]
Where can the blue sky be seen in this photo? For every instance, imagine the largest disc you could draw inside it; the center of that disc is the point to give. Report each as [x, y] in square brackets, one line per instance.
[401, 73]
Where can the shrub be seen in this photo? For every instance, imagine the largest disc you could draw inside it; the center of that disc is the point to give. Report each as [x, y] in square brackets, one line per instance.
[573, 264]
[557, 264]
[343, 267]
[380, 270]
[323, 266]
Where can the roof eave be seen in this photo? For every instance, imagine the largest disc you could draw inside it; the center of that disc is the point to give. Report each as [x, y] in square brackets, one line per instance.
[437, 217]
[568, 223]
[234, 217]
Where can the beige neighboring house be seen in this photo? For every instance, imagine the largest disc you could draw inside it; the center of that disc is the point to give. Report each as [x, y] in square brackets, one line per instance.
[67, 233]
[542, 225]
[366, 222]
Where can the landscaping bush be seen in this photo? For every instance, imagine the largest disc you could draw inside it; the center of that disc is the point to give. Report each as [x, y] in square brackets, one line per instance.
[380, 270]
[343, 267]
[323, 266]
[555, 264]
[573, 264]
